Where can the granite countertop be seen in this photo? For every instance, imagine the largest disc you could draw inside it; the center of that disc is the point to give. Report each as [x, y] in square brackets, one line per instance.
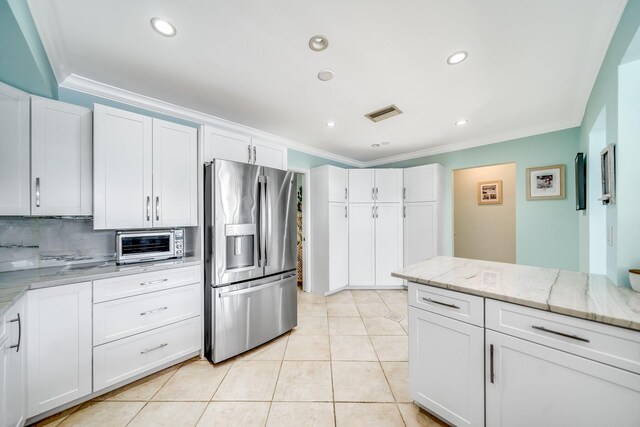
[588, 296]
[14, 284]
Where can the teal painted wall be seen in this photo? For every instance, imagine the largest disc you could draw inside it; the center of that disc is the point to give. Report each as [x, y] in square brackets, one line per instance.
[302, 160]
[546, 231]
[625, 253]
[23, 61]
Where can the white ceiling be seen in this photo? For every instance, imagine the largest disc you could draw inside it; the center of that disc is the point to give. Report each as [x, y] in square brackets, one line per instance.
[530, 69]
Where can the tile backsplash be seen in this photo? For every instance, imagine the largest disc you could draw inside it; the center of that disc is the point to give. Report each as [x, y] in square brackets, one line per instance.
[27, 243]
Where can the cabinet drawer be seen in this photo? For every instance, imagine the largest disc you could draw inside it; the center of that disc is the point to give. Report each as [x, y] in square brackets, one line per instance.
[136, 284]
[456, 305]
[607, 344]
[123, 317]
[119, 360]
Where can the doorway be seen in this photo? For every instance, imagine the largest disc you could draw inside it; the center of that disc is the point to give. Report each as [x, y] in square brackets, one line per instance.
[303, 200]
[597, 211]
[484, 211]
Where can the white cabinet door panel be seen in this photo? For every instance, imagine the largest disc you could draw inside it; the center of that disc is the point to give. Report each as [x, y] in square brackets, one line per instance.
[268, 154]
[122, 169]
[175, 175]
[388, 243]
[224, 145]
[14, 152]
[15, 395]
[361, 245]
[361, 185]
[59, 346]
[446, 367]
[338, 187]
[421, 183]
[61, 139]
[388, 185]
[338, 246]
[420, 232]
[534, 385]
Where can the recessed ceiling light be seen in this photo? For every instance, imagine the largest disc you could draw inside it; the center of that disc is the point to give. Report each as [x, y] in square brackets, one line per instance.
[318, 43]
[457, 57]
[375, 145]
[331, 124]
[325, 75]
[163, 27]
[461, 122]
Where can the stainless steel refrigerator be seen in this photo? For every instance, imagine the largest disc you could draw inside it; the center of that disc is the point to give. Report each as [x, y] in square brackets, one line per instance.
[250, 256]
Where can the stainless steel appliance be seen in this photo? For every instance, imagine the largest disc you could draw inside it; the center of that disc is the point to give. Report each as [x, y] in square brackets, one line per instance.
[250, 256]
[153, 245]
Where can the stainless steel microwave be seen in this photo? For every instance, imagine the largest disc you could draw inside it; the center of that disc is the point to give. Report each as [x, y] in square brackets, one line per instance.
[143, 246]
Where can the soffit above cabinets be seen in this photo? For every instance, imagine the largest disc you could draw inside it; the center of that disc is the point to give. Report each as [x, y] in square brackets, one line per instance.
[530, 69]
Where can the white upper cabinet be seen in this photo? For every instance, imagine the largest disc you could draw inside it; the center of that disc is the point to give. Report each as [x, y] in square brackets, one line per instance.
[388, 243]
[225, 145]
[145, 171]
[338, 187]
[361, 185]
[422, 183]
[60, 158]
[388, 185]
[175, 177]
[269, 154]
[220, 144]
[121, 169]
[14, 151]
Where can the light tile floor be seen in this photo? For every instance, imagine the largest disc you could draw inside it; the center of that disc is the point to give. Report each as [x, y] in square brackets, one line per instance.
[344, 365]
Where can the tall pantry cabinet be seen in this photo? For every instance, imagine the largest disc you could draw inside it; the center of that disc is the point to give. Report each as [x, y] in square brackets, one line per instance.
[329, 229]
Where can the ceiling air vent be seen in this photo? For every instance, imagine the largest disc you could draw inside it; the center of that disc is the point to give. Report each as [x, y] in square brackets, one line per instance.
[383, 113]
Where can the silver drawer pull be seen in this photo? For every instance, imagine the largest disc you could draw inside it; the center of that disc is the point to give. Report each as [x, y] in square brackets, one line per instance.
[154, 348]
[153, 282]
[153, 311]
[562, 334]
[441, 303]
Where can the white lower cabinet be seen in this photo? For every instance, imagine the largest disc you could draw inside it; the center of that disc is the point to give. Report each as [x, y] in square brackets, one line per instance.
[446, 367]
[13, 380]
[388, 243]
[361, 244]
[421, 232]
[120, 360]
[58, 339]
[529, 384]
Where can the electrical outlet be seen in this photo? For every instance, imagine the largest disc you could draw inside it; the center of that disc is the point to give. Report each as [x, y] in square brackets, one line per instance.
[610, 235]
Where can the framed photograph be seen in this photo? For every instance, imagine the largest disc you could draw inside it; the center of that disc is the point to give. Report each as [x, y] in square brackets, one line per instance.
[490, 192]
[545, 183]
[608, 165]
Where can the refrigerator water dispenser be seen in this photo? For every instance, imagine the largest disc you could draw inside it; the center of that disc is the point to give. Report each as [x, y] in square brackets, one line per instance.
[240, 243]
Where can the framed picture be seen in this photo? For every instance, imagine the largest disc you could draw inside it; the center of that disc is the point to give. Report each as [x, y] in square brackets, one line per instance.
[545, 183]
[490, 192]
[608, 165]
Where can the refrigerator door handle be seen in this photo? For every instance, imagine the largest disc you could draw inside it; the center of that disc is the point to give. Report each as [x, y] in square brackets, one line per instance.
[266, 231]
[254, 288]
[262, 250]
[259, 221]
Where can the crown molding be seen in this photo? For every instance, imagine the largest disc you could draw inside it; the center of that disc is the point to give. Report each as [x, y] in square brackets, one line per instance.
[92, 87]
[476, 142]
[48, 37]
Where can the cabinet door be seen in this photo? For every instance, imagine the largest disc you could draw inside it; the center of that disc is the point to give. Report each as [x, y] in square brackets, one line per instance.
[388, 185]
[122, 172]
[420, 232]
[14, 152]
[4, 386]
[224, 145]
[338, 246]
[16, 387]
[175, 175]
[338, 188]
[268, 154]
[361, 244]
[446, 367]
[361, 185]
[421, 183]
[61, 157]
[534, 385]
[388, 243]
[59, 342]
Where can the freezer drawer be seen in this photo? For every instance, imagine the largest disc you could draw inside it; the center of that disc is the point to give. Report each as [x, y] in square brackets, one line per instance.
[252, 313]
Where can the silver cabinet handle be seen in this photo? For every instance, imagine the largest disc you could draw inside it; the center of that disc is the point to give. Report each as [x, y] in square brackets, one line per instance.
[404, 193]
[255, 157]
[153, 282]
[345, 193]
[562, 334]
[148, 208]
[144, 313]
[38, 192]
[376, 193]
[249, 153]
[373, 193]
[157, 208]
[376, 212]
[345, 211]
[491, 373]
[373, 212]
[17, 319]
[154, 348]
[404, 212]
[441, 303]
